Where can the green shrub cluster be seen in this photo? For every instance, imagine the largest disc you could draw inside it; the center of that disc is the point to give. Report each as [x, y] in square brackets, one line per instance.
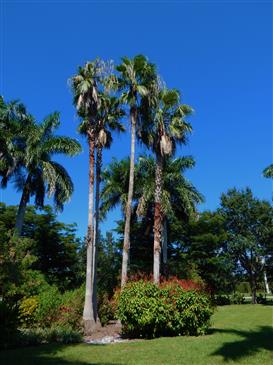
[225, 299]
[146, 310]
[51, 308]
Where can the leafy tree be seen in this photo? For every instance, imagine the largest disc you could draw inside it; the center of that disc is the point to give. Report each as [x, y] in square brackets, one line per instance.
[249, 223]
[268, 172]
[53, 245]
[134, 75]
[207, 251]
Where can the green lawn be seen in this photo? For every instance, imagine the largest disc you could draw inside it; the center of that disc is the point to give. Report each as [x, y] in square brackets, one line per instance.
[240, 335]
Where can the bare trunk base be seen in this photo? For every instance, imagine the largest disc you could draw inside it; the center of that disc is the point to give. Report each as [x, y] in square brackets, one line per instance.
[91, 326]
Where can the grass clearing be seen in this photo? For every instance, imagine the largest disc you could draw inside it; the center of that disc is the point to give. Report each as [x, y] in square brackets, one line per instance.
[240, 334]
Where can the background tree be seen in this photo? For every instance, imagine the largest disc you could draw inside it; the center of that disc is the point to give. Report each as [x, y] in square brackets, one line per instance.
[268, 172]
[14, 124]
[53, 245]
[34, 172]
[249, 224]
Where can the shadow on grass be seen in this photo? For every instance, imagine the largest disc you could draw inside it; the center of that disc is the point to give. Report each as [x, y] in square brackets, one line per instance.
[252, 343]
[45, 355]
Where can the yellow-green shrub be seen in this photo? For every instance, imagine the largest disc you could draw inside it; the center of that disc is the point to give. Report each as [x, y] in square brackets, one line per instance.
[27, 311]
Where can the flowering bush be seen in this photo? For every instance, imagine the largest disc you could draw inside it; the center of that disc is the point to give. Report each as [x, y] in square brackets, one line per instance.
[175, 308]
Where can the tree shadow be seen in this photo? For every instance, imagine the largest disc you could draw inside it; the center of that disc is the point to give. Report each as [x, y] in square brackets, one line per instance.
[252, 343]
[45, 355]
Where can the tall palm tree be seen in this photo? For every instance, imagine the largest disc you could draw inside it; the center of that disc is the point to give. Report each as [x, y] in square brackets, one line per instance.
[35, 173]
[85, 86]
[134, 75]
[268, 172]
[108, 120]
[169, 128]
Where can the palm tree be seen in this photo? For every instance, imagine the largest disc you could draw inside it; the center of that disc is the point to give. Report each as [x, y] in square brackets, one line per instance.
[268, 172]
[179, 196]
[108, 120]
[134, 75]
[35, 173]
[85, 86]
[14, 123]
[168, 128]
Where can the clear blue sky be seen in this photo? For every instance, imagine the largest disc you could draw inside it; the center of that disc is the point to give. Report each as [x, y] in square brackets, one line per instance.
[219, 54]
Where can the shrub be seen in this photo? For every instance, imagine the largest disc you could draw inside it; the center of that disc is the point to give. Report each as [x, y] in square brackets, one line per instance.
[261, 299]
[243, 287]
[71, 309]
[237, 298]
[27, 311]
[221, 299]
[49, 303]
[106, 309]
[146, 310]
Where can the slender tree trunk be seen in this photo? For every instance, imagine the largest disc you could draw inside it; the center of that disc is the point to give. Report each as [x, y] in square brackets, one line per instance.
[157, 217]
[126, 242]
[165, 247]
[89, 314]
[266, 286]
[253, 286]
[96, 229]
[267, 290]
[20, 216]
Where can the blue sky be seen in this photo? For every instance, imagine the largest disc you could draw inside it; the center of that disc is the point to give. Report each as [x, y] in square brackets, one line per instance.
[218, 53]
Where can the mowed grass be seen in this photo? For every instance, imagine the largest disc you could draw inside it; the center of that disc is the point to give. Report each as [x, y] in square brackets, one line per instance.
[240, 334]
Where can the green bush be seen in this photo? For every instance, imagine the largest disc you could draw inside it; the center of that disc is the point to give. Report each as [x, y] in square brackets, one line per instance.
[261, 299]
[48, 309]
[71, 309]
[237, 298]
[106, 309]
[243, 287]
[221, 299]
[146, 310]
[27, 311]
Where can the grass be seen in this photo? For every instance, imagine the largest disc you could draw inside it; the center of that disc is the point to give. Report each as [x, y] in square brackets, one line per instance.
[240, 334]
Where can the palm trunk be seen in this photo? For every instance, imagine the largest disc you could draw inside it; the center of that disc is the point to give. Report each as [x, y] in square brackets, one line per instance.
[157, 217]
[126, 241]
[96, 229]
[22, 208]
[165, 246]
[89, 315]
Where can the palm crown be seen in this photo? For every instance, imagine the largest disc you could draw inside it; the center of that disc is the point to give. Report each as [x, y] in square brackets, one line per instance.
[165, 121]
[35, 165]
